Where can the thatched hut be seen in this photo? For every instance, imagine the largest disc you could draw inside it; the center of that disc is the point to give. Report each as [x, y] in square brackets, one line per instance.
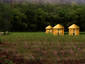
[73, 29]
[58, 29]
[48, 29]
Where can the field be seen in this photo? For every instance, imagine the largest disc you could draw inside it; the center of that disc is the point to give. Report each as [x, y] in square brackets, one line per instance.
[41, 48]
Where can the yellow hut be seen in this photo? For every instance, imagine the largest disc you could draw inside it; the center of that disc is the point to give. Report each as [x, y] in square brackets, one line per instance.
[58, 30]
[48, 29]
[73, 30]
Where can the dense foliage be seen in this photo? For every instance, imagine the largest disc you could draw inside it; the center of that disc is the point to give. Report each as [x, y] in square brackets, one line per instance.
[35, 17]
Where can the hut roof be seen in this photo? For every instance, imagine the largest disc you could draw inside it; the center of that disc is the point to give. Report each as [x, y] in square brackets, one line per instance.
[58, 26]
[48, 27]
[73, 26]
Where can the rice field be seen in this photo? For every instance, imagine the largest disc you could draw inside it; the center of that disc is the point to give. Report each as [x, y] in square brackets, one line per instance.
[47, 48]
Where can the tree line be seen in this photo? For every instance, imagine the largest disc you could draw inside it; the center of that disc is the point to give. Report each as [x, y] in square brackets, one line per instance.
[30, 17]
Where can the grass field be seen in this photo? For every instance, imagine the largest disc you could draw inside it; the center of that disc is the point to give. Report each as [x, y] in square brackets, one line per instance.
[40, 46]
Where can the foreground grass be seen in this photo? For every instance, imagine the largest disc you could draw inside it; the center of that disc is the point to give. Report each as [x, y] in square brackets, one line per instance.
[39, 45]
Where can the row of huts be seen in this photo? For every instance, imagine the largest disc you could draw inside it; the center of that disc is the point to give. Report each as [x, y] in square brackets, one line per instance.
[59, 29]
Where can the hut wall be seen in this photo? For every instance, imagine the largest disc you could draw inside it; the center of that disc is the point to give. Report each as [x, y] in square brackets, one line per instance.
[55, 32]
[70, 31]
[58, 32]
[47, 31]
[77, 32]
[63, 32]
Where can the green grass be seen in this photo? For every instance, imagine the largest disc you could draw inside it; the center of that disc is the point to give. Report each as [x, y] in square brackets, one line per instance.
[41, 36]
[41, 45]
